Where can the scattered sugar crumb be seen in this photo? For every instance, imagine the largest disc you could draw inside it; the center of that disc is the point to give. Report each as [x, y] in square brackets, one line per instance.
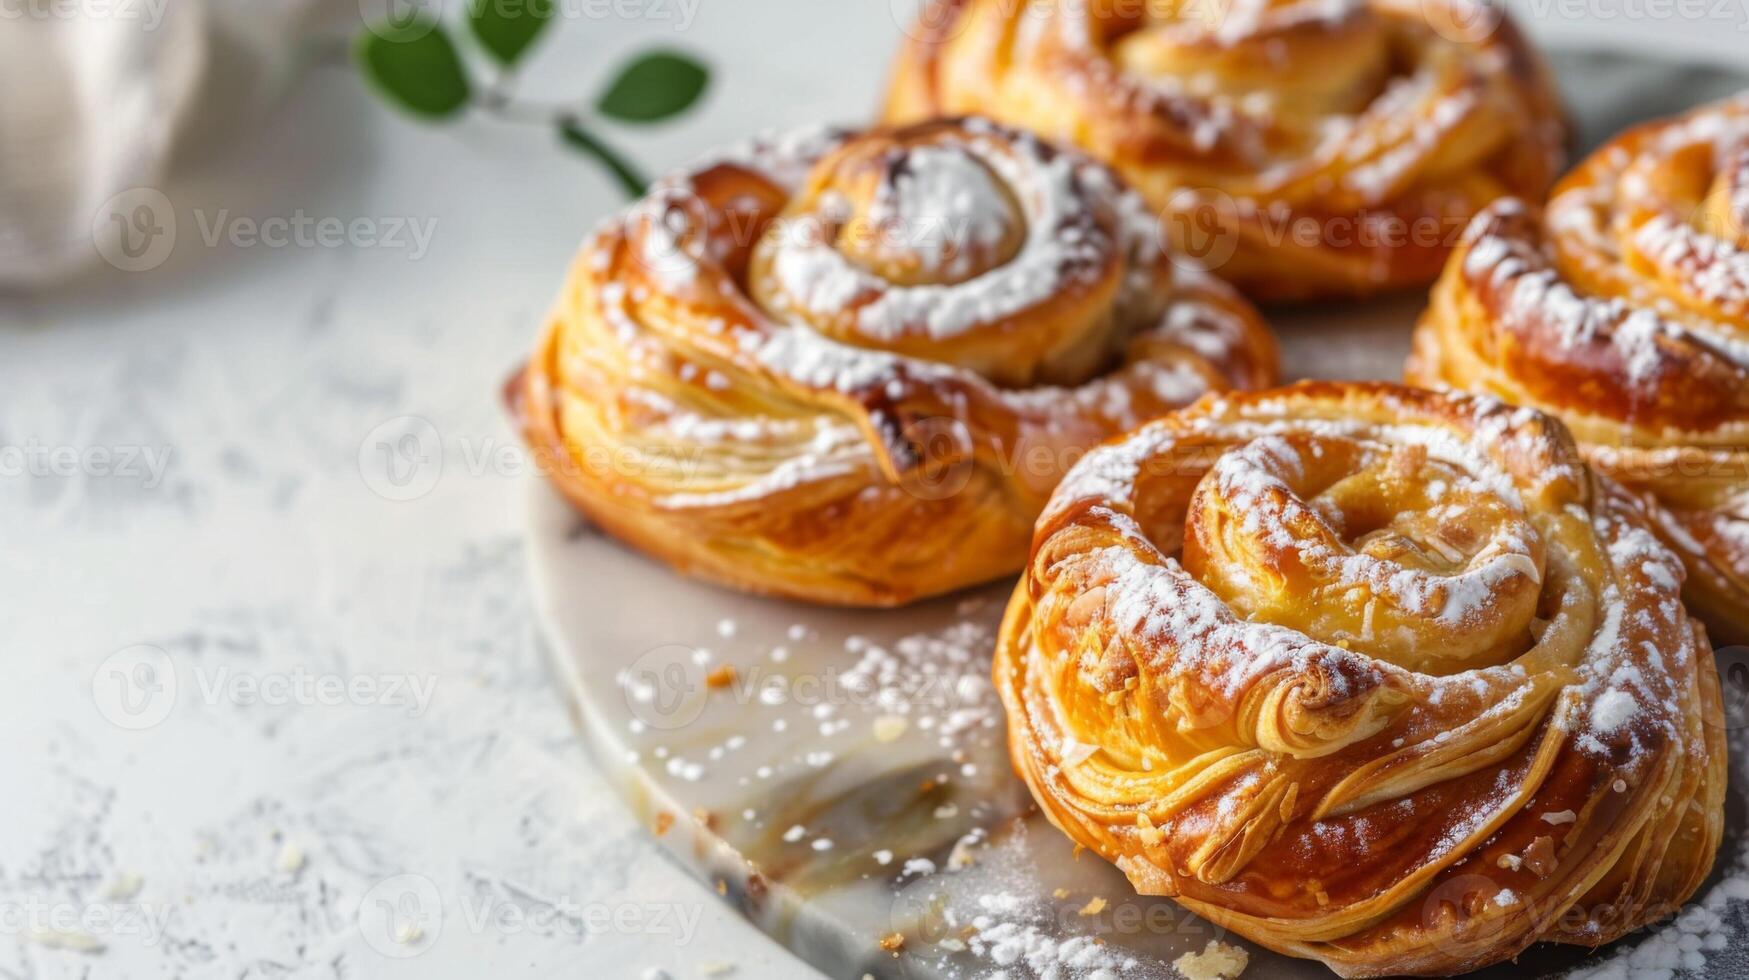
[922, 867]
[1217, 961]
[291, 857]
[1613, 709]
[125, 885]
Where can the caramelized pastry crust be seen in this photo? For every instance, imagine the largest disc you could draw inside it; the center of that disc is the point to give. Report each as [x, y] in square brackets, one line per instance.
[1372, 675]
[849, 368]
[1624, 309]
[1304, 148]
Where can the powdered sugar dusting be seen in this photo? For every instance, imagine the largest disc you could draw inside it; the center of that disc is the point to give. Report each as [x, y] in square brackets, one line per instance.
[1716, 271]
[1613, 710]
[946, 189]
[1536, 301]
[943, 203]
[1081, 226]
[1269, 506]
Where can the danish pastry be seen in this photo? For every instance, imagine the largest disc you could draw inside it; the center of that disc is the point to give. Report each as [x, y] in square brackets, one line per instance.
[1624, 308]
[850, 367]
[1304, 148]
[1367, 674]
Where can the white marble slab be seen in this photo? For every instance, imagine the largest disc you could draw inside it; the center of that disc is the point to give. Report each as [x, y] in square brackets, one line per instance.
[841, 777]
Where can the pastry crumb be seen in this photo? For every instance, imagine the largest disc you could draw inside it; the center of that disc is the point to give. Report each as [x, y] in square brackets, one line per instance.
[291, 857]
[1217, 961]
[1539, 857]
[893, 943]
[1094, 907]
[125, 885]
[720, 678]
[72, 940]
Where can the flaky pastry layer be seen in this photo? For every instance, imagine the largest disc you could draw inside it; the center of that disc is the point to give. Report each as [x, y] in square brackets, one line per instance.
[1303, 148]
[1371, 675]
[850, 367]
[1624, 309]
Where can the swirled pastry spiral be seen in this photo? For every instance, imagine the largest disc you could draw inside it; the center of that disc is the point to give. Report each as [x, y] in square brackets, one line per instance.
[1624, 308]
[1306, 148]
[849, 368]
[1367, 674]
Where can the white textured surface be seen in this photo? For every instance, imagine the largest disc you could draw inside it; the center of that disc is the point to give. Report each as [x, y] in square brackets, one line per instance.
[263, 551]
[254, 832]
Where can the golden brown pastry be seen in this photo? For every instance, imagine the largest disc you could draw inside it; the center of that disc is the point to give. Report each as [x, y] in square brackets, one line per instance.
[1624, 308]
[1368, 674]
[1303, 148]
[849, 368]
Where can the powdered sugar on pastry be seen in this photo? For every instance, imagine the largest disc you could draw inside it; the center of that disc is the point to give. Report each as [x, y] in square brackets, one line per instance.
[1361, 626]
[849, 366]
[1625, 310]
[1327, 138]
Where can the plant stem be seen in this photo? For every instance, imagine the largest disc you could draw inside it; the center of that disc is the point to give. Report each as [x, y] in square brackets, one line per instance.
[498, 100]
[630, 179]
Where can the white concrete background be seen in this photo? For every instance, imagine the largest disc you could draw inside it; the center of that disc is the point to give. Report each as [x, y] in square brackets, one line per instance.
[244, 837]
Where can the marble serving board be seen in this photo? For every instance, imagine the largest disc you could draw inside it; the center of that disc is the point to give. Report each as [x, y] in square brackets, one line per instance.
[842, 776]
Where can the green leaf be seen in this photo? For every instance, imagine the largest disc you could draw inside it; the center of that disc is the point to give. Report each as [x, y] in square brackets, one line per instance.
[414, 66]
[631, 181]
[505, 28]
[656, 86]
